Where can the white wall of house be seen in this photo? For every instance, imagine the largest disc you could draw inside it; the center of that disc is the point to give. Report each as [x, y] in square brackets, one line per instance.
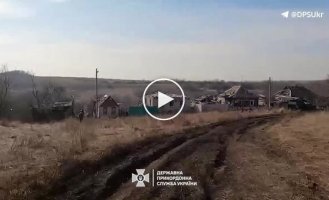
[151, 100]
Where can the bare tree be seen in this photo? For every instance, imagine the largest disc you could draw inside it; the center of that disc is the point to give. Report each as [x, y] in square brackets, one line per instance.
[49, 94]
[35, 91]
[4, 88]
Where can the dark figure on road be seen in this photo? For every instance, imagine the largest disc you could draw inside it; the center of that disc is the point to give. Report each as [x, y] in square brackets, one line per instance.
[81, 115]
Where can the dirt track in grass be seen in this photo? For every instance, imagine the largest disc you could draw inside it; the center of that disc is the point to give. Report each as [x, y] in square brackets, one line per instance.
[232, 160]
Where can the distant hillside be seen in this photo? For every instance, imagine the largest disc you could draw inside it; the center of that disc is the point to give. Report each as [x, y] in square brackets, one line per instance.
[83, 89]
[129, 92]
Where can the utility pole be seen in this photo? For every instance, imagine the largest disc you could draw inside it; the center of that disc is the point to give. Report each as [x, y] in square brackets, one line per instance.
[97, 109]
[269, 93]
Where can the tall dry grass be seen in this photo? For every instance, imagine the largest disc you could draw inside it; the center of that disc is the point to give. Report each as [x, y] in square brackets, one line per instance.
[305, 140]
[80, 134]
[31, 155]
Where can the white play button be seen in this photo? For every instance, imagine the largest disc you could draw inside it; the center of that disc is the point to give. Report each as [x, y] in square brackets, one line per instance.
[152, 102]
[163, 99]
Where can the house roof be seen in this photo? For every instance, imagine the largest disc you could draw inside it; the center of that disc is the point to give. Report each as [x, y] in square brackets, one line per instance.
[297, 91]
[106, 98]
[238, 91]
[301, 92]
[232, 91]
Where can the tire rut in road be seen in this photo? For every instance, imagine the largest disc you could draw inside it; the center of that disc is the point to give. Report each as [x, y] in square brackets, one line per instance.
[209, 152]
[98, 180]
[107, 177]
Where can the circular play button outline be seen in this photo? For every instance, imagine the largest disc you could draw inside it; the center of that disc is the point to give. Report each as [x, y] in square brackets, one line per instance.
[168, 118]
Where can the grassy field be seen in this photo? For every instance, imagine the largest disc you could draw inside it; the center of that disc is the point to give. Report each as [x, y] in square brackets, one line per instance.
[32, 155]
[295, 148]
[305, 140]
[283, 159]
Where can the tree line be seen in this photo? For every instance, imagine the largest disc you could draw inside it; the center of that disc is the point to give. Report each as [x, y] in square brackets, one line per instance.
[38, 97]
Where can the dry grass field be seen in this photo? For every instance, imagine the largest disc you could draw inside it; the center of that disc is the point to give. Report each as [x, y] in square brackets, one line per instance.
[290, 154]
[31, 155]
[284, 159]
[305, 140]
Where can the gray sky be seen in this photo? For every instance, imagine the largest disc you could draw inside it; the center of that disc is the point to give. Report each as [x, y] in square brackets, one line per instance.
[192, 40]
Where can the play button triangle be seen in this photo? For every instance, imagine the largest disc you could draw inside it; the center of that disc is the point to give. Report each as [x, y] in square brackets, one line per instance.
[163, 99]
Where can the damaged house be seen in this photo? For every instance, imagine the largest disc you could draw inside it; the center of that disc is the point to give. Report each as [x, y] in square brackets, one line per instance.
[57, 111]
[207, 103]
[210, 99]
[296, 97]
[239, 96]
[236, 96]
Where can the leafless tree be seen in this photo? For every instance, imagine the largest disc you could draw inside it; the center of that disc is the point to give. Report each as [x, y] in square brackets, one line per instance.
[35, 91]
[48, 95]
[4, 87]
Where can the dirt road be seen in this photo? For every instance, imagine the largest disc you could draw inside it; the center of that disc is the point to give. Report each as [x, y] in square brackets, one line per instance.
[225, 160]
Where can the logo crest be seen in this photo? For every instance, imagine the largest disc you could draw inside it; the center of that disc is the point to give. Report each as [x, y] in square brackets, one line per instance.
[140, 178]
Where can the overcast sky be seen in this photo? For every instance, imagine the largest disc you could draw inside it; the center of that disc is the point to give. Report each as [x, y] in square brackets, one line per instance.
[148, 39]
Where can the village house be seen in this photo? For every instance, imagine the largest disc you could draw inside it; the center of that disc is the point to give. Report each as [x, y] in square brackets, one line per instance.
[207, 103]
[238, 96]
[261, 97]
[63, 109]
[107, 107]
[210, 99]
[296, 97]
[57, 111]
[293, 93]
[151, 100]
